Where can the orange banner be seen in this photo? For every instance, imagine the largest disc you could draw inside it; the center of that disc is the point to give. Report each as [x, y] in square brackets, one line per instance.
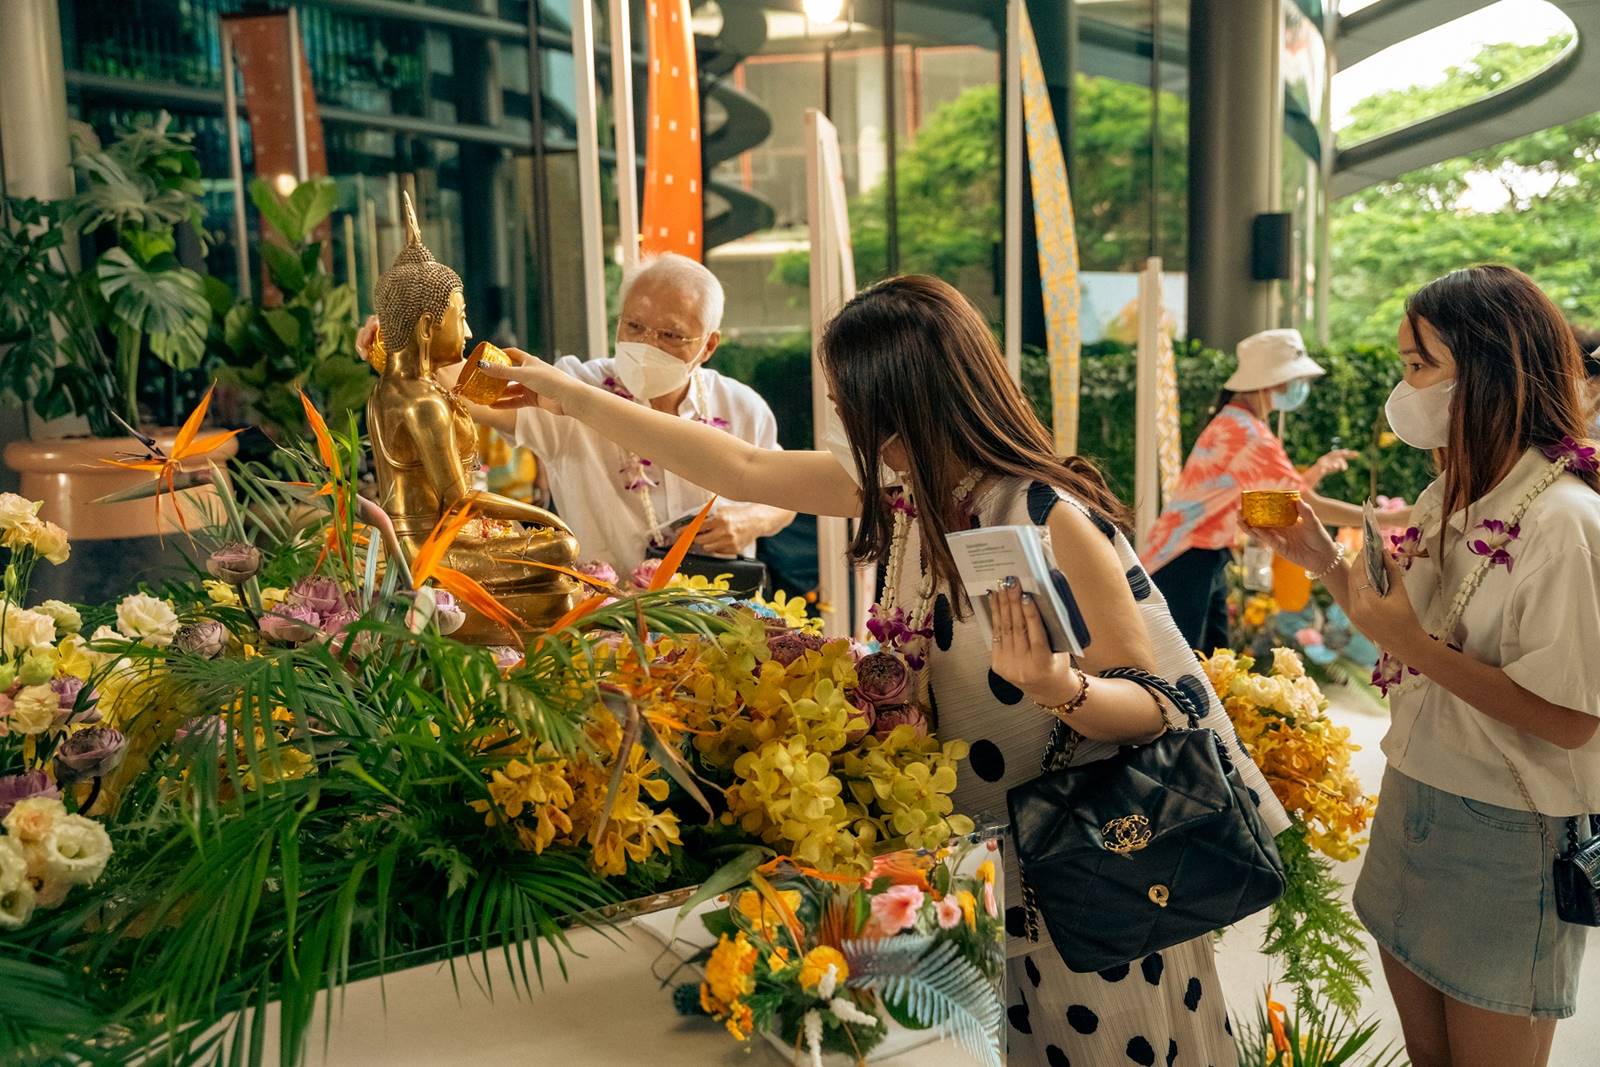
[262, 44]
[673, 218]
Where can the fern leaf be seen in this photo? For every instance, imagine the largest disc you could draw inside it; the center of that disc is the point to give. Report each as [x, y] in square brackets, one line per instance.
[937, 987]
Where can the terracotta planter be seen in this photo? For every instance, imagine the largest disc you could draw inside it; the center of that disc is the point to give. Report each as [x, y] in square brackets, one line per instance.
[68, 475]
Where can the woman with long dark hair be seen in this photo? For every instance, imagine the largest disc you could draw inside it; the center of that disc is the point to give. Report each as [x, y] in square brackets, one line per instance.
[924, 402]
[1489, 632]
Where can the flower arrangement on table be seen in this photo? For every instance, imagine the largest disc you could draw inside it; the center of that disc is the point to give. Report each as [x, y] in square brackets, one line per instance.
[316, 781]
[1281, 719]
[826, 963]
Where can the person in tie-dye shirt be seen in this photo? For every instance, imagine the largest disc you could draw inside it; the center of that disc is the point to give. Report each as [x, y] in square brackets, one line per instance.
[1192, 542]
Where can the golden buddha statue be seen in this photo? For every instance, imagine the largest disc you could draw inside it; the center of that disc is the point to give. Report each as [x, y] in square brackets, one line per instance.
[425, 451]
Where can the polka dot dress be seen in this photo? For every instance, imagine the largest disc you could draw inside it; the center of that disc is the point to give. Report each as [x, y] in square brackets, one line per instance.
[1166, 1009]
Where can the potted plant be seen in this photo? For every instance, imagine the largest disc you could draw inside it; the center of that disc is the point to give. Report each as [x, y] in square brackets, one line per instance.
[300, 339]
[73, 339]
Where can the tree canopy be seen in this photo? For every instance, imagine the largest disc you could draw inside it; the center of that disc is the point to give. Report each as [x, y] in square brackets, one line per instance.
[1391, 238]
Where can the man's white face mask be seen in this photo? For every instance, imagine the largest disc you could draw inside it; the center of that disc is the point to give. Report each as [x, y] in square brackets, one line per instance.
[647, 372]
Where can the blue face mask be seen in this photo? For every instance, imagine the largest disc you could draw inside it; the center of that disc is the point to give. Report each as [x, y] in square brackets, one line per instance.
[1293, 396]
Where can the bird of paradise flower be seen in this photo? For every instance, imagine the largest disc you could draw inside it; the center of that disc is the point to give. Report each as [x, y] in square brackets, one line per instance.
[170, 477]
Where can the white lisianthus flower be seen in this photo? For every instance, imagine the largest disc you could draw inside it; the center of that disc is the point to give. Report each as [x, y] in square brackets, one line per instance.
[34, 710]
[1286, 663]
[27, 630]
[13, 865]
[18, 902]
[76, 850]
[148, 619]
[16, 511]
[50, 541]
[33, 818]
[66, 617]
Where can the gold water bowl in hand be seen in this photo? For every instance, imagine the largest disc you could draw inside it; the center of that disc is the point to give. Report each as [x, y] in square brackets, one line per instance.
[474, 385]
[1270, 508]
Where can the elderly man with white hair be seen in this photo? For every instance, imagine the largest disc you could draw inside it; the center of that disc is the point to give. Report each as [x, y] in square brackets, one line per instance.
[619, 504]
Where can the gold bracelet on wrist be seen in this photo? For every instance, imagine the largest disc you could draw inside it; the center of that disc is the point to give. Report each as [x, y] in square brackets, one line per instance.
[1338, 560]
[1061, 711]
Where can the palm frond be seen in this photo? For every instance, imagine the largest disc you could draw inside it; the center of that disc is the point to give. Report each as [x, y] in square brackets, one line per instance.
[936, 987]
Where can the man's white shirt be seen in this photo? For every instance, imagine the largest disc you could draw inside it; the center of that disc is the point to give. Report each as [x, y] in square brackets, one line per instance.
[588, 473]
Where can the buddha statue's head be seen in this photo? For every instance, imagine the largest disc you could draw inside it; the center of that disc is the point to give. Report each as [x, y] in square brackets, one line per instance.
[420, 302]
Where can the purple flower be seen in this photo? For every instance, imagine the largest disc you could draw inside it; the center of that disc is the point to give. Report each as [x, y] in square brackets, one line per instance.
[882, 679]
[1496, 542]
[898, 501]
[291, 624]
[206, 639]
[17, 787]
[321, 595]
[90, 753]
[505, 657]
[235, 563]
[716, 422]
[645, 573]
[1389, 673]
[1408, 547]
[787, 646]
[618, 388]
[900, 715]
[209, 727]
[67, 691]
[1580, 455]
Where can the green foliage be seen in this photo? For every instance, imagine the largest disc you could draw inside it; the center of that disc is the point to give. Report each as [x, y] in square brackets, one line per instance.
[925, 988]
[1316, 1037]
[1392, 238]
[302, 337]
[780, 370]
[136, 293]
[1111, 179]
[1315, 934]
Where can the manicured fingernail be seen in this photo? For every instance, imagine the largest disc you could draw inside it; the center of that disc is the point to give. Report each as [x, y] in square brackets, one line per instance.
[1011, 581]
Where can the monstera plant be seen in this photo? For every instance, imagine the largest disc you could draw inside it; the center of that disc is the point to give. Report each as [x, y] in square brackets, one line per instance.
[72, 338]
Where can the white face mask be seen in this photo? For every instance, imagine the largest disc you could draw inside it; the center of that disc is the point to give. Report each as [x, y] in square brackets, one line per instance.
[1421, 417]
[836, 441]
[647, 372]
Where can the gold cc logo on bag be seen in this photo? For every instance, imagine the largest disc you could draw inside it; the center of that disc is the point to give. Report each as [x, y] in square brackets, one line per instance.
[1126, 834]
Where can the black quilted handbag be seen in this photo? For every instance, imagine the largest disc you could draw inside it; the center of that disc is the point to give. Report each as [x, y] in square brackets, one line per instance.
[1156, 845]
[1577, 877]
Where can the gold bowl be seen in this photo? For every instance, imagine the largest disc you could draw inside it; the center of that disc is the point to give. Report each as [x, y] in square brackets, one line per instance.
[480, 388]
[1271, 508]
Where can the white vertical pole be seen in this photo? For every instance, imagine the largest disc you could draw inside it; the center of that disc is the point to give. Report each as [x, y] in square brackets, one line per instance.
[594, 275]
[297, 97]
[1146, 472]
[833, 586]
[230, 108]
[622, 112]
[1012, 314]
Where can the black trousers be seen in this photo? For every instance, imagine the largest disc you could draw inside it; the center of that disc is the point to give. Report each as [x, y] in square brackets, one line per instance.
[1196, 587]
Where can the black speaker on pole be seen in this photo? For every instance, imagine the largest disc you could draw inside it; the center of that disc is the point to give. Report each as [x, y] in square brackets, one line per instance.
[1271, 246]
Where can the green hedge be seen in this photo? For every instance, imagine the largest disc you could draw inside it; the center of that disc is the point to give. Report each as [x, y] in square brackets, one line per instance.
[1346, 406]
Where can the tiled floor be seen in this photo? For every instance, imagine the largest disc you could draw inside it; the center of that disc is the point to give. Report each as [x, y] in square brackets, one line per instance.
[1245, 971]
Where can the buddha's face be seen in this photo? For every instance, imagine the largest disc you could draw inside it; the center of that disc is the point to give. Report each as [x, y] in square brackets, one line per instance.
[447, 340]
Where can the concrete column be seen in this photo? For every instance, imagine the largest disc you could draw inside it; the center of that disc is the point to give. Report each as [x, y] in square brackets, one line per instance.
[33, 101]
[1233, 49]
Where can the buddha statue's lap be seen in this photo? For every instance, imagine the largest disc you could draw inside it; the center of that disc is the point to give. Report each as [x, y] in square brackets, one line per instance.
[424, 448]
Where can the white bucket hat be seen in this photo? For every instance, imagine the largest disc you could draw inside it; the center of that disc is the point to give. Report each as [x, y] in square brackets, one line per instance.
[1269, 358]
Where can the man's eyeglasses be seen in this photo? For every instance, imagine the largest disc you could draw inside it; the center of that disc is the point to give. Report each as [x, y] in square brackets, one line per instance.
[667, 338]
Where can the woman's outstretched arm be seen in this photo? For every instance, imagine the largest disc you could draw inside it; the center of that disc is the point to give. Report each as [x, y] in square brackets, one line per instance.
[811, 482]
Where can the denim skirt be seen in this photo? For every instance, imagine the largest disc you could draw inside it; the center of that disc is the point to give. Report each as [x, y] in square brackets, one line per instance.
[1461, 893]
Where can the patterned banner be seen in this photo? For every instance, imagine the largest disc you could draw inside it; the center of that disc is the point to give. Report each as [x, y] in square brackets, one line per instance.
[265, 49]
[1169, 441]
[673, 208]
[1058, 242]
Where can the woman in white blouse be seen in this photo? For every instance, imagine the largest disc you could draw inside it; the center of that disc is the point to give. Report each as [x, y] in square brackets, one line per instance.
[1490, 666]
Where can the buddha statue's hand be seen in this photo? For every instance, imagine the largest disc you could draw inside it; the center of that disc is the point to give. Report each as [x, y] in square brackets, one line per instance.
[534, 383]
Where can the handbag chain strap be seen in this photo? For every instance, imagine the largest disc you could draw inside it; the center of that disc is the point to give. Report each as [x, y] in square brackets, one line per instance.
[1064, 740]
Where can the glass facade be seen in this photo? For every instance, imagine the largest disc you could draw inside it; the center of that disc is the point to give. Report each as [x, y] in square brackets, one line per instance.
[436, 98]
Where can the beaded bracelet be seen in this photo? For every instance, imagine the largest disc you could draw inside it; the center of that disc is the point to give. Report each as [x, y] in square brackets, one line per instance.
[1338, 560]
[1061, 711]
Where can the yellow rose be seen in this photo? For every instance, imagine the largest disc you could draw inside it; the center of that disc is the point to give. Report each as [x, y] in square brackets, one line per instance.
[34, 710]
[32, 819]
